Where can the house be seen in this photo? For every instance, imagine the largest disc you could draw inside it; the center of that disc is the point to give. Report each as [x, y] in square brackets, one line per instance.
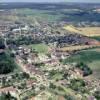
[79, 72]
[43, 57]
[32, 98]
[25, 28]
[44, 95]
[2, 51]
[4, 28]
[75, 73]
[52, 62]
[91, 98]
[30, 83]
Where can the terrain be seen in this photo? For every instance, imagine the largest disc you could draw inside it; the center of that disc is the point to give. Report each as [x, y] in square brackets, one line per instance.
[49, 51]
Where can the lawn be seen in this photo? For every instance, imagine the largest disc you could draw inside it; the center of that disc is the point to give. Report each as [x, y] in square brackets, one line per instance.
[40, 48]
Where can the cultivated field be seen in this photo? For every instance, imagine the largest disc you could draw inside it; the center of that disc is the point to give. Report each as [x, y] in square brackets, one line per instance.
[77, 47]
[87, 31]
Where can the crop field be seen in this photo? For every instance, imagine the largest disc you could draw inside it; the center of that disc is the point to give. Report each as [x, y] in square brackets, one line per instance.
[90, 31]
[77, 47]
[87, 31]
[91, 57]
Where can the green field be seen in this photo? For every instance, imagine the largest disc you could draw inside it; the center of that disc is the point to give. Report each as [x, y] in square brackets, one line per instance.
[40, 48]
[91, 57]
[86, 56]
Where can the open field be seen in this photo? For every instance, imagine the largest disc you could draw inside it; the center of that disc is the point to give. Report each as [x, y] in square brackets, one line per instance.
[86, 56]
[40, 48]
[87, 31]
[91, 57]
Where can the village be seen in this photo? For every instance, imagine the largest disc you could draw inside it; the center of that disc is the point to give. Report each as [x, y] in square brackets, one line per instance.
[42, 74]
[49, 51]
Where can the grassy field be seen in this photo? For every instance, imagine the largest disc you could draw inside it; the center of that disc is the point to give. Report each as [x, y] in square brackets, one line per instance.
[87, 31]
[86, 56]
[95, 66]
[91, 57]
[40, 48]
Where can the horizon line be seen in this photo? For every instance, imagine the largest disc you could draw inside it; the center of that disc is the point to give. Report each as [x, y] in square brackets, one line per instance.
[52, 2]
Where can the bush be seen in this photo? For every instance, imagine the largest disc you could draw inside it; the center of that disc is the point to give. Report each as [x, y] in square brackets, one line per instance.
[52, 86]
[69, 97]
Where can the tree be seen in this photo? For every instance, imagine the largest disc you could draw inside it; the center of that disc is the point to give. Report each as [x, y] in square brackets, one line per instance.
[8, 96]
[2, 46]
[25, 75]
[3, 81]
[7, 63]
[65, 75]
[52, 86]
[42, 87]
[69, 97]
